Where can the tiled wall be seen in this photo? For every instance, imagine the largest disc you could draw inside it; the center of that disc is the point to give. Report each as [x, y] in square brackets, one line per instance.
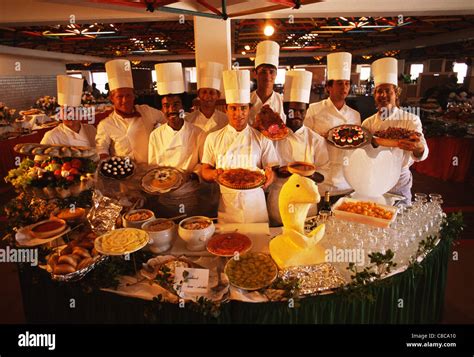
[20, 92]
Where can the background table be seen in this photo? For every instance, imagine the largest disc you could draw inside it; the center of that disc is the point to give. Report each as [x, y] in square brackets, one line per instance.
[441, 159]
[46, 301]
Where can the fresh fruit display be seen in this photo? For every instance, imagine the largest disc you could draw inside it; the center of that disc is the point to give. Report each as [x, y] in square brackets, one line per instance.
[55, 177]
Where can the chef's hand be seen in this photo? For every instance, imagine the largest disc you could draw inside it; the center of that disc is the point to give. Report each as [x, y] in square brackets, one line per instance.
[270, 175]
[217, 172]
[413, 144]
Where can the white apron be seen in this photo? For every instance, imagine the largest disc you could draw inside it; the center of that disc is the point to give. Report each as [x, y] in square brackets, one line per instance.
[242, 206]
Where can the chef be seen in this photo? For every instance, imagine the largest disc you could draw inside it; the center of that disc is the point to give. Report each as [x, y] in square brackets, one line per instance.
[71, 131]
[178, 142]
[238, 145]
[126, 130]
[332, 112]
[386, 96]
[266, 66]
[207, 117]
[302, 143]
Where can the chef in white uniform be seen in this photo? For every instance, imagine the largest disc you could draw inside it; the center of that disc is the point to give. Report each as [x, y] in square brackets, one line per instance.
[238, 145]
[266, 66]
[302, 143]
[126, 130]
[178, 142]
[386, 96]
[207, 117]
[329, 113]
[71, 131]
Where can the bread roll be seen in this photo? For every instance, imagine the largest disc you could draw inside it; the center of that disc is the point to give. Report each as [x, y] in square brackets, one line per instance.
[62, 269]
[67, 259]
[66, 251]
[84, 263]
[86, 244]
[53, 260]
[82, 252]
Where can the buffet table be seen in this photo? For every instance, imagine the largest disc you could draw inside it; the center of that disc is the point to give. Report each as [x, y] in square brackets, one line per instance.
[450, 158]
[46, 301]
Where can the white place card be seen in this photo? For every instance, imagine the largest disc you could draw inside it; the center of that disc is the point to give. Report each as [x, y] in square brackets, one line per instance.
[192, 280]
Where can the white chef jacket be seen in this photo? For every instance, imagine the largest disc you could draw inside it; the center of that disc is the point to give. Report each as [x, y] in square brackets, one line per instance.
[275, 102]
[62, 135]
[321, 117]
[181, 149]
[128, 136]
[302, 145]
[400, 119]
[249, 149]
[217, 121]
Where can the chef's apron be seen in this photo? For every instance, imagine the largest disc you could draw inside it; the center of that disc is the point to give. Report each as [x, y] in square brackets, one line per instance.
[242, 206]
[184, 200]
[403, 186]
[137, 135]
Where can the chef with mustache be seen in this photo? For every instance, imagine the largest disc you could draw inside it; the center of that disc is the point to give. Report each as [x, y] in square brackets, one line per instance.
[125, 132]
[331, 112]
[389, 115]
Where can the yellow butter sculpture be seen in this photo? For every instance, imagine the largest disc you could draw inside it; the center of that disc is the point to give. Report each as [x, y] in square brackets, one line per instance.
[293, 247]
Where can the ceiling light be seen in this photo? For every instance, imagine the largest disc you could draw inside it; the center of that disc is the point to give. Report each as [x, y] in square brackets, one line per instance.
[268, 30]
[247, 47]
[244, 53]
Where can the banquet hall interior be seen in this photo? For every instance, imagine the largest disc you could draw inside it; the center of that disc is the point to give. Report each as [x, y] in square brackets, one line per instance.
[432, 41]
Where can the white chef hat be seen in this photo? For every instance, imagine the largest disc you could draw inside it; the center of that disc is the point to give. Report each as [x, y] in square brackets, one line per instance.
[339, 66]
[119, 73]
[385, 70]
[237, 86]
[267, 53]
[297, 86]
[169, 78]
[210, 74]
[69, 90]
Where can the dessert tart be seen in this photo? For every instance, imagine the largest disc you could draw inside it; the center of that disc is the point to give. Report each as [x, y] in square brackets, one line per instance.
[117, 167]
[162, 180]
[229, 244]
[390, 136]
[241, 179]
[270, 124]
[348, 135]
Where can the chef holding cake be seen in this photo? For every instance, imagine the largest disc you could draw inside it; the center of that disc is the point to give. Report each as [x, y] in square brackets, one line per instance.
[207, 117]
[329, 113]
[235, 146]
[390, 116]
[266, 66]
[178, 142]
[302, 144]
[126, 130]
[71, 131]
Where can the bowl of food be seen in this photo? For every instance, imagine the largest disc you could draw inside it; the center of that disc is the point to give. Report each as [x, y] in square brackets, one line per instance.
[301, 168]
[196, 231]
[136, 218]
[47, 229]
[162, 232]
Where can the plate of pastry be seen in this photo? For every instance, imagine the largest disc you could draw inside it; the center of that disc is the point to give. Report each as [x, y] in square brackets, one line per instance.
[390, 136]
[270, 124]
[348, 136]
[242, 179]
[162, 179]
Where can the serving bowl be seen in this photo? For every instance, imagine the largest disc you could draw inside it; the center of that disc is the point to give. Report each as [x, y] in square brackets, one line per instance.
[196, 231]
[162, 233]
[136, 218]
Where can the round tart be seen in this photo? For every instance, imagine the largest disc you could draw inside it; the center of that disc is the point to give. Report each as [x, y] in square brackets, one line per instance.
[162, 180]
[228, 244]
[241, 179]
[252, 271]
[301, 168]
[49, 228]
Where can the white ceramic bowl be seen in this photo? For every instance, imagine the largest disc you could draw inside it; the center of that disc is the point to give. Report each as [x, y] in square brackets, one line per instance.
[196, 239]
[160, 240]
[127, 223]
